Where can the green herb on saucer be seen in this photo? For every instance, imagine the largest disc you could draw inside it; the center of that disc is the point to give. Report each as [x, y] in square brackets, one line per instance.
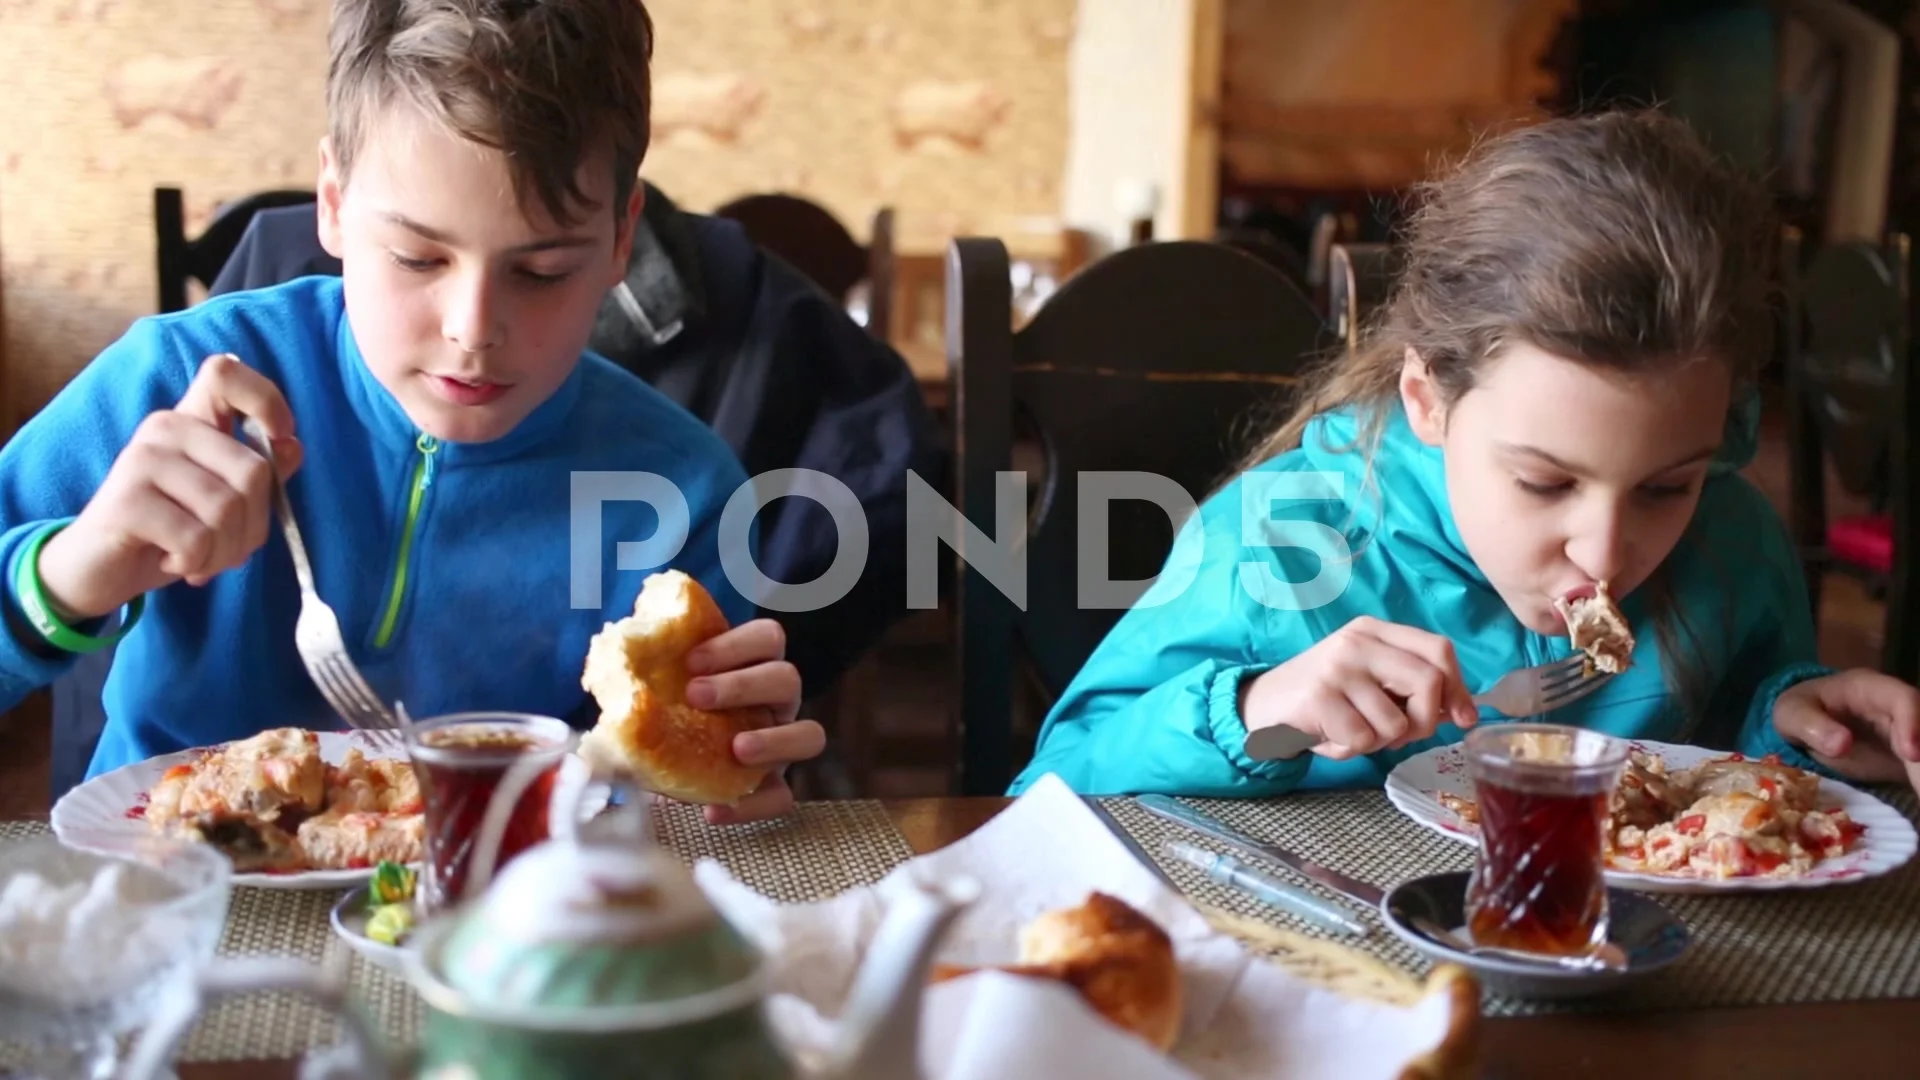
[392, 883]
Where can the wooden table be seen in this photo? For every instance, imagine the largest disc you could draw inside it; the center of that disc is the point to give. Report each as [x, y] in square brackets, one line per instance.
[1857, 1041]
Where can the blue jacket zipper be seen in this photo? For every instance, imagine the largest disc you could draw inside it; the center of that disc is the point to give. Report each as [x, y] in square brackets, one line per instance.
[397, 589]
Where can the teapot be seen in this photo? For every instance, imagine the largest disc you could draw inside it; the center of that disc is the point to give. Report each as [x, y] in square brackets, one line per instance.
[595, 953]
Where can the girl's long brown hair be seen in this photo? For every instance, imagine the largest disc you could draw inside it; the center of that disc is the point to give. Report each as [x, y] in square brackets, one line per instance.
[1617, 240]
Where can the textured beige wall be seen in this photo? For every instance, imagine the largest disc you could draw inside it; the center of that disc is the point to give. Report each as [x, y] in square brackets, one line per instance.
[953, 112]
[104, 100]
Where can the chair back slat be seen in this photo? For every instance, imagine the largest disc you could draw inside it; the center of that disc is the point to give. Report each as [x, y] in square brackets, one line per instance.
[1854, 326]
[1359, 279]
[182, 260]
[1165, 359]
[1852, 404]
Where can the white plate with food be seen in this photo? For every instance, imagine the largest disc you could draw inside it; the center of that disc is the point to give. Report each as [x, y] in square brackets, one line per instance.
[296, 809]
[1686, 819]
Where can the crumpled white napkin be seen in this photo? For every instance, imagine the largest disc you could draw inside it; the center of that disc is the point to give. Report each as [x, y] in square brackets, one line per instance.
[1244, 1016]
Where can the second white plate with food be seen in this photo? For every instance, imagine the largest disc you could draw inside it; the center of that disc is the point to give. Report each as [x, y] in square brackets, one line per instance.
[1423, 786]
[107, 814]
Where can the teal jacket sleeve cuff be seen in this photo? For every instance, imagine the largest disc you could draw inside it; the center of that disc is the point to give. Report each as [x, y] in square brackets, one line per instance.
[1230, 731]
[1759, 737]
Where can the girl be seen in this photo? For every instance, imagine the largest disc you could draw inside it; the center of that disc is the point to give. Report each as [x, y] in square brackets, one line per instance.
[1556, 396]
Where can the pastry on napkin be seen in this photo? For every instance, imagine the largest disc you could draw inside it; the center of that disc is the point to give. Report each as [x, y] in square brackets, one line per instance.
[1242, 1015]
[1114, 957]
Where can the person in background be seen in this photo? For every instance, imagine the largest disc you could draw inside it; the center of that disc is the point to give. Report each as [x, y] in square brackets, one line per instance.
[1556, 397]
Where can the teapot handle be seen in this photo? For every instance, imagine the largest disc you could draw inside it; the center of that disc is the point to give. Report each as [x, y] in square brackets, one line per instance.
[225, 978]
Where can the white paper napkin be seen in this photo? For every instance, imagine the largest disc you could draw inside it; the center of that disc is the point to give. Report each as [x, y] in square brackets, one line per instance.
[1244, 1016]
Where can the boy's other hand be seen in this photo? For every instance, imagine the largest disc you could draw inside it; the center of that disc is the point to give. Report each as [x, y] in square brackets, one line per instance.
[746, 668]
[184, 500]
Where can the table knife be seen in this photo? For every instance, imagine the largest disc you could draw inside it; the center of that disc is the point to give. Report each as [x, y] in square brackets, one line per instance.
[1176, 811]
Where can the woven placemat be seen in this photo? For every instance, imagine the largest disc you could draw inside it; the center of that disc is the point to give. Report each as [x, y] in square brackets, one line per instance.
[1845, 942]
[817, 851]
[820, 850]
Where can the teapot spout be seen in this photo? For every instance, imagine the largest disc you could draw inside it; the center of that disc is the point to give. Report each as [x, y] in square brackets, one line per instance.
[879, 1035]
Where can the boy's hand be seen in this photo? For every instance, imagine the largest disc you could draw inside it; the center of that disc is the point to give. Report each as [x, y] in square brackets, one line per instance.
[1861, 724]
[746, 668]
[185, 499]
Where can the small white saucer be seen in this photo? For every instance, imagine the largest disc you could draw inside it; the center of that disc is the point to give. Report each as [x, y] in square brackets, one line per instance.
[349, 920]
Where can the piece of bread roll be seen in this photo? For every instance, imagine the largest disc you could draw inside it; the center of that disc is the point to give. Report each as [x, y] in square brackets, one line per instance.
[636, 671]
[1118, 960]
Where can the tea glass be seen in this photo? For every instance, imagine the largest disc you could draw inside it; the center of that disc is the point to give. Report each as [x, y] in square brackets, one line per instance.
[1539, 881]
[461, 759]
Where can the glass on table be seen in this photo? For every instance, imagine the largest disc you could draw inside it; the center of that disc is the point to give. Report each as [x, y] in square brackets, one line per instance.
[1539, 881]
[92, 945]
[460, 761]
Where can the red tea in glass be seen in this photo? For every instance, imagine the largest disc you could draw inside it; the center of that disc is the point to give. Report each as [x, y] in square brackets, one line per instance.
[460, 761]
[1539, 883]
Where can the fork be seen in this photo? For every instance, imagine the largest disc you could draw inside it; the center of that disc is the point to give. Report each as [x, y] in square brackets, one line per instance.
[1523, 692]
[1535, 690]
[317, 634]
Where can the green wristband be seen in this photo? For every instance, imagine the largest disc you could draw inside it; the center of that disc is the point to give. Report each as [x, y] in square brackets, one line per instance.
[39, 609]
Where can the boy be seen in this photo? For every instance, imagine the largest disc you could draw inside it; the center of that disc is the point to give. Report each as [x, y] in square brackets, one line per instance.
[432, 410]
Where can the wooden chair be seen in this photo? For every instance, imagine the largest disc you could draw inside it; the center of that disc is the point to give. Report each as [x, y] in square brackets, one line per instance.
[1852, 406]
[808, 236]
[1152, 360]
[1359, 279]
[182, 260]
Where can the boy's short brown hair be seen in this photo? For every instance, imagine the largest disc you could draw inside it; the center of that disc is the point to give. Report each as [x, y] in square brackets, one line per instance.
[545, 82]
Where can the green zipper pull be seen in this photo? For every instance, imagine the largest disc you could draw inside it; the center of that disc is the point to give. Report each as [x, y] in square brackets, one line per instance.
[426, 444]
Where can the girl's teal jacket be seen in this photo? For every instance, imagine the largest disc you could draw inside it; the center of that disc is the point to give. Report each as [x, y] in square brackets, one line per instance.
[1258, 575]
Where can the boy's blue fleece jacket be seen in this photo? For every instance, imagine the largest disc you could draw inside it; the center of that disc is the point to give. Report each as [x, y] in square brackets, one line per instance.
[451, 566]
